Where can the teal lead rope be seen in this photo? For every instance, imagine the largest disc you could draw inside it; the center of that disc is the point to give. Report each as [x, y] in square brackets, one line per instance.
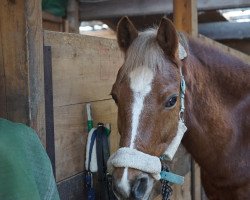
[168, 177]
[166, 189]
[172, 178]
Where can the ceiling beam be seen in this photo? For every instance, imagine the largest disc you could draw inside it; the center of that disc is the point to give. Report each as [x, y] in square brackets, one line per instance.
[117, 8]
[225, 30]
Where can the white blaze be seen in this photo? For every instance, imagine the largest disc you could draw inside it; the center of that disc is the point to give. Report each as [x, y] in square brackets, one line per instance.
[124, 181]
[140, 83]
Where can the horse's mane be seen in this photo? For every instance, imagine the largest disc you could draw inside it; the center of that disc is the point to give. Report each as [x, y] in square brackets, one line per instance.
[208, 54]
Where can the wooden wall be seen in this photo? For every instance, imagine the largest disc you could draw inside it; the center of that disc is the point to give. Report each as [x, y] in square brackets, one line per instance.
[84, 69]
[21, 64]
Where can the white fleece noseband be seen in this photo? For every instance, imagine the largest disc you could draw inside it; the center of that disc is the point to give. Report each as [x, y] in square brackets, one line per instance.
[129, 157]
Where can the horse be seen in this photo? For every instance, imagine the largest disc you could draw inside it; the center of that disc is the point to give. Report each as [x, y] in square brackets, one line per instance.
[149, 99]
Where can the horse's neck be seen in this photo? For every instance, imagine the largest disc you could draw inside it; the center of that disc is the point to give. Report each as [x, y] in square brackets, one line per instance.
[216, 85]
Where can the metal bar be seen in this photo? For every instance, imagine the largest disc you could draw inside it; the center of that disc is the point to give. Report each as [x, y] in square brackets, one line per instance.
[225, 30]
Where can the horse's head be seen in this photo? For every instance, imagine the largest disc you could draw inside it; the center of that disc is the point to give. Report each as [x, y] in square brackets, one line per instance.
[146, 91]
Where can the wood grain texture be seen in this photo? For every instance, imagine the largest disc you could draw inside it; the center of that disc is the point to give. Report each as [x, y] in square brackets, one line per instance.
[71, 134]
[185, 16]
[84, 70]
[14, 60]
[34, 45]
[22, 62]
[84, 67]
[106, 112]
[118, 8]
[196, 182]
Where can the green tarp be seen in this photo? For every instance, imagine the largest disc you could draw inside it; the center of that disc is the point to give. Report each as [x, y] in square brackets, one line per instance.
[55, 7]
[25, 169]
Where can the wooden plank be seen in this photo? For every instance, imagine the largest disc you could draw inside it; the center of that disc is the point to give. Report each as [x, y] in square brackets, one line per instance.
[225, 30]
[73, 16]
[84, 67]
[102, 33]
[118, 8]
[3, 111]
[34, 40]
[185, 16]
[22, 60]
[185, 20]
[196, 181]
[71, 134]
[14, 60]
[222, 4]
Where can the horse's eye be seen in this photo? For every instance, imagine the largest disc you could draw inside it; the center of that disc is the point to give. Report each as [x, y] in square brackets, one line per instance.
[114, 97]
[171, 101]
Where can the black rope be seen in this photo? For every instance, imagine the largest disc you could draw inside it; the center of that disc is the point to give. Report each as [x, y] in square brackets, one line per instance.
[166, 190]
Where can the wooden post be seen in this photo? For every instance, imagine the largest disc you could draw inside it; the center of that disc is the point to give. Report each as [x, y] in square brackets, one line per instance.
[185, 19]
[185, 16]
[21, 63]
[73, 16]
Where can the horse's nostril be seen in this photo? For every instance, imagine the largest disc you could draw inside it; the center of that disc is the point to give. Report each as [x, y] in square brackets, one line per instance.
[139, 188]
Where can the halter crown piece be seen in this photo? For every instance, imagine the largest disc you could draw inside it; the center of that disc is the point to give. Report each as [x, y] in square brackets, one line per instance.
[132, 158]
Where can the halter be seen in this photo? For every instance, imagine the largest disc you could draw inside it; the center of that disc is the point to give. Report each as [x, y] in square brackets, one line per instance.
[128, 157]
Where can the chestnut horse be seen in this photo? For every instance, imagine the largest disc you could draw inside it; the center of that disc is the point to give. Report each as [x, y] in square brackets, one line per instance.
[217, 102]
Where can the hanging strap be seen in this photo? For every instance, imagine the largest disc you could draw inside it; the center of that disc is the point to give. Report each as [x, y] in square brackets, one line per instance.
[102, 150]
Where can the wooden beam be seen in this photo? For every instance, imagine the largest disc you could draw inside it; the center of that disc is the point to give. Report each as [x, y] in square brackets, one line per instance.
[118, 8]
[222, 4]
[73, 16]
[225, 30]
[185, 20]
[22, 62]
[185, 16]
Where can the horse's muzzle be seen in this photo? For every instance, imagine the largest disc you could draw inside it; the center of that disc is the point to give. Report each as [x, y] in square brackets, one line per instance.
[132, 185]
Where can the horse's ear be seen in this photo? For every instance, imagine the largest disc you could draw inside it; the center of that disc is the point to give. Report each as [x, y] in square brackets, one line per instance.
[167, 37]
[126, 33]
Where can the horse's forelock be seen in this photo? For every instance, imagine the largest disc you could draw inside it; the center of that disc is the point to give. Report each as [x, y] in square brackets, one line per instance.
[144, 51]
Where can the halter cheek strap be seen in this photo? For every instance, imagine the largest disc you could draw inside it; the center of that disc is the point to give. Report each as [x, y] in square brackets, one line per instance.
[172, 148]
